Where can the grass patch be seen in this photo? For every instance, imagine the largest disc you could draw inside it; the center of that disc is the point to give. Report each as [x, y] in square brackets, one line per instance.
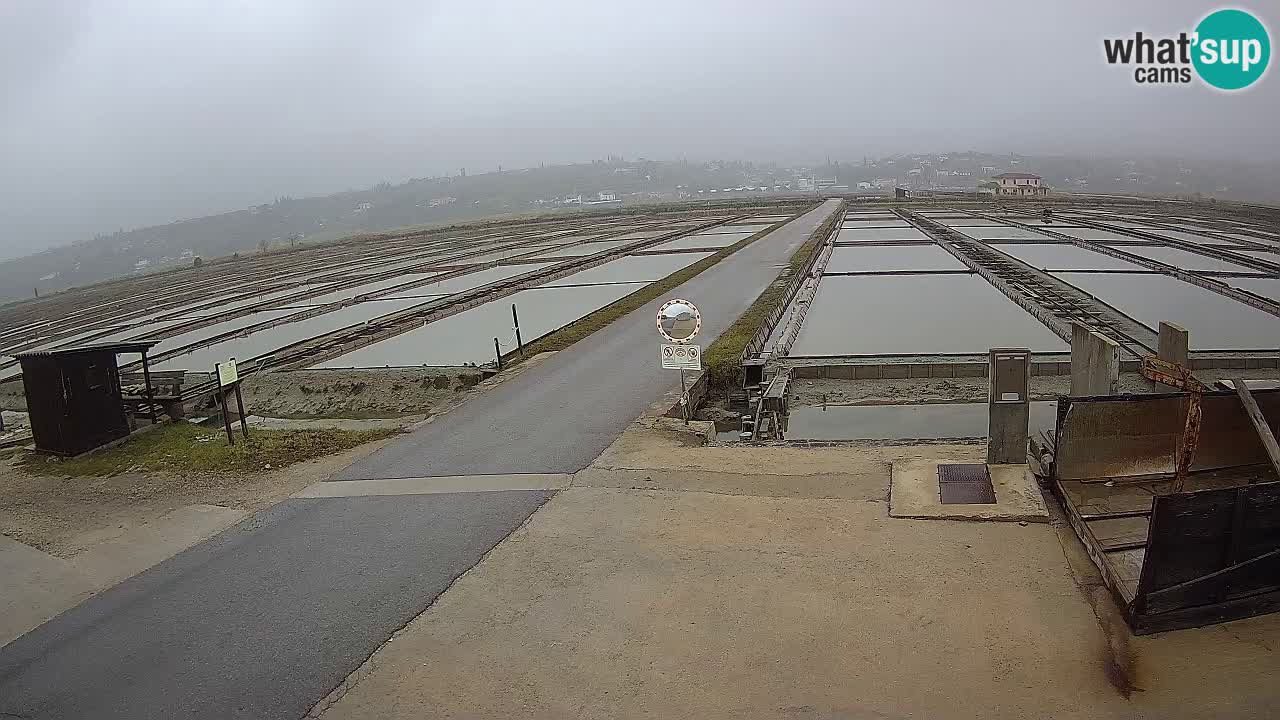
[186, 448]
[722, 361]
[573, 332]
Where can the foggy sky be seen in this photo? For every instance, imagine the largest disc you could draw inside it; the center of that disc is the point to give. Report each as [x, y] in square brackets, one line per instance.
[130, 113]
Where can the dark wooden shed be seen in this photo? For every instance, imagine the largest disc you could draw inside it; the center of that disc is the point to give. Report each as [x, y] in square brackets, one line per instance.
[74, 397]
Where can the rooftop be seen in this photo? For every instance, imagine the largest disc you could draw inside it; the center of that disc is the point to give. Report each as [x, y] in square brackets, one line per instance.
[121, 347]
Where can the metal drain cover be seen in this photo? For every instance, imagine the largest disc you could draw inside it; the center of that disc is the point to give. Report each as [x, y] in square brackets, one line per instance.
[965, 484]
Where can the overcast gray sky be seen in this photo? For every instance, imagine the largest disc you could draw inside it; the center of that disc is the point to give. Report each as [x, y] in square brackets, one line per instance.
[127, 113]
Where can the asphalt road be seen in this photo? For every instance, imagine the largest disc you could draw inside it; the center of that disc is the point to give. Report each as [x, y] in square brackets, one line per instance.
[263, 620]
[557, 417]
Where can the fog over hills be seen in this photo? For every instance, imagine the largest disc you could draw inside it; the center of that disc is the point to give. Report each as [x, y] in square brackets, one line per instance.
[116, 116]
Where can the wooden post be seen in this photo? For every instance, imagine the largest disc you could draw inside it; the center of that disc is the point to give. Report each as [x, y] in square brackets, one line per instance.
[244, 424]
[146, 380]
[226, 417]
[497, 351]
[1259, 422]
[516, 319]
[1173, 344]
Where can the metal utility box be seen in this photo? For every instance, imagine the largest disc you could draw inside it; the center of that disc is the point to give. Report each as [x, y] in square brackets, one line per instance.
[74, 398]
[1009, 405]
[752, 372]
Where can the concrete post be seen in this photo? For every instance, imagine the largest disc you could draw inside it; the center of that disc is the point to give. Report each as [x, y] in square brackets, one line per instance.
[1174, 345]
[1008, 405]
[1095, 362]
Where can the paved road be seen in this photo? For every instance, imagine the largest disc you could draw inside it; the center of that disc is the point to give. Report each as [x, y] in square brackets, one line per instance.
[594, 389]
[261, 621]
[265, 619]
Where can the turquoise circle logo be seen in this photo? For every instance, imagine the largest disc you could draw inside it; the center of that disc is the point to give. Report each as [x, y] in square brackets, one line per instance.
[1232, 49]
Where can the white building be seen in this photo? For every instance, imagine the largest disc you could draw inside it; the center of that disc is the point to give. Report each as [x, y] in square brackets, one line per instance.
[606, 196]
[1014, 184]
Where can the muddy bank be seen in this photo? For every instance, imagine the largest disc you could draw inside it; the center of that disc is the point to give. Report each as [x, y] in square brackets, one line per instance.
[13, 396]
[930, 390]
[379, 393]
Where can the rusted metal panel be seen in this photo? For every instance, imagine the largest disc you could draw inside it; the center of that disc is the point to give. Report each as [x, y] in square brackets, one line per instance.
[1205, 556]
[1135, 435]
[1167, 373]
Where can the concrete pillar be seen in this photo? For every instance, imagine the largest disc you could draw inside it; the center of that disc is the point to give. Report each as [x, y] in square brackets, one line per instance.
[1008, 405]
[1095, 362]
[1174, 344]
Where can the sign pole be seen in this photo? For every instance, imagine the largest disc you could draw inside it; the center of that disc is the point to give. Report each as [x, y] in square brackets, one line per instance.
[516, 320]
[684, 398]
[226, 417]
[228, 377]
[244, 424]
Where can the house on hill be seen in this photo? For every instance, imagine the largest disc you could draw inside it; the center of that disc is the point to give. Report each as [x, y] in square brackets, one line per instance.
[1017, 184]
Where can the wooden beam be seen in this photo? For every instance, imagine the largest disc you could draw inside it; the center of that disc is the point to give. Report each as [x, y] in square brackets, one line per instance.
[1114, 515]
[1259, 422]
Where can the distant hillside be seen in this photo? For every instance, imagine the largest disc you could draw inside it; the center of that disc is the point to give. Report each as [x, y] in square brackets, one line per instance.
[460, 198]
[427, 202]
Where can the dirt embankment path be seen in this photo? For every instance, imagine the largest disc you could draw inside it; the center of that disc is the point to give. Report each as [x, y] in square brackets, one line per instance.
[375, 393]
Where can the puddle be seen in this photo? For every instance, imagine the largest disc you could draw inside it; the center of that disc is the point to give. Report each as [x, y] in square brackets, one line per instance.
[356, 290]
[273, 338]
[891, 257]
[468, 336]
[634, 268]
[591, 248]
[1184, 259]
[462, 283]
[1001, 233]
[1216, 322]
[204, 333]
[1064, 257]
[711, 240]
[1266, 287]
[916, 314]
[903, 422]
[877, 234]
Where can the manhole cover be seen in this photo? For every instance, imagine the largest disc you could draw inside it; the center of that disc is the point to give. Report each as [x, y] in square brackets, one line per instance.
[965, 484]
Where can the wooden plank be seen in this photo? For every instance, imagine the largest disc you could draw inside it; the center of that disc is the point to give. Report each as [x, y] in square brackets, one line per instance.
[1090, 517]
[1259, 422]
[1120, 531]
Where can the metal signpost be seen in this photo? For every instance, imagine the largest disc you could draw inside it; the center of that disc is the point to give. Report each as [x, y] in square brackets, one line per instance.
[679, 322]
[228, 380]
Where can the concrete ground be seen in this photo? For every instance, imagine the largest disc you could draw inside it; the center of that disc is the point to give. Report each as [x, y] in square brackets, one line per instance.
[267, 617]
[914, 493]
[771, 582]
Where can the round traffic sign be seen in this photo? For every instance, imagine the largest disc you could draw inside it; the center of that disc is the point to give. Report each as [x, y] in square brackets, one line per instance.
[679, 320]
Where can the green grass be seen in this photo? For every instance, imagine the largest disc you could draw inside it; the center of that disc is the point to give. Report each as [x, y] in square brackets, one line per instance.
[573, 332]
[185, 448]
[722, 361]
